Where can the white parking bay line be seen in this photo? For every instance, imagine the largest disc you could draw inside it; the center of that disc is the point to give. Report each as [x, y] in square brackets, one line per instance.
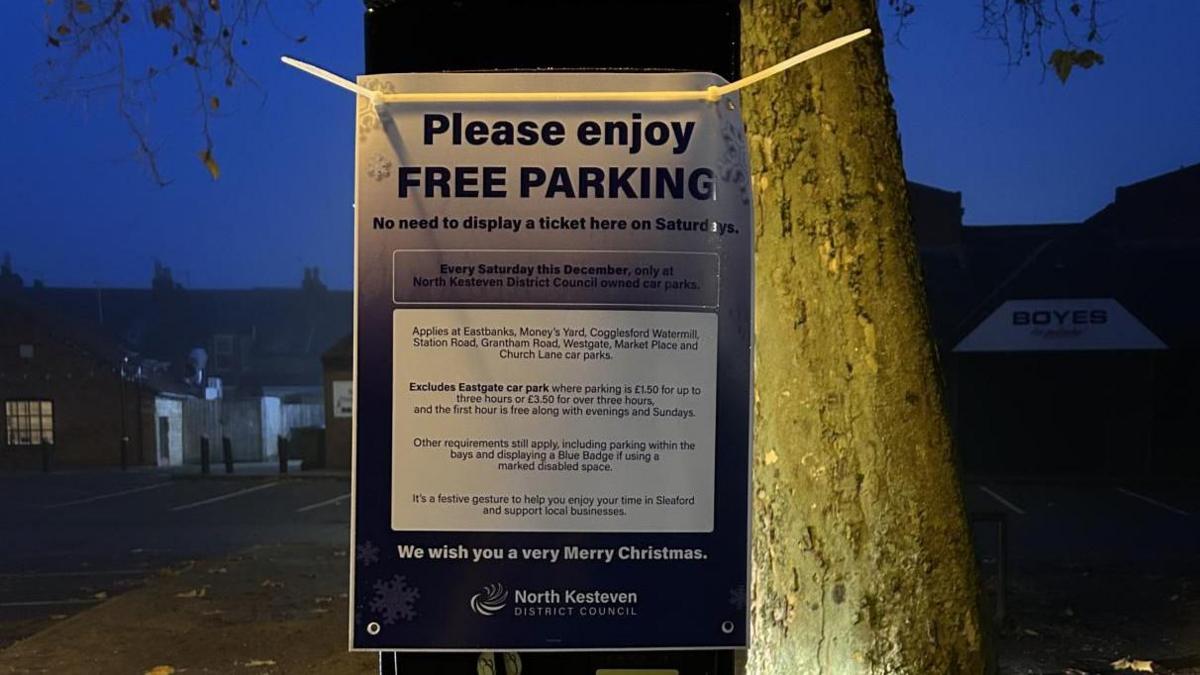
[327, 502]
[221, 498]
[1152, 501]
[79, 573]
[1007, 504]
[45, 603]
[110, 495]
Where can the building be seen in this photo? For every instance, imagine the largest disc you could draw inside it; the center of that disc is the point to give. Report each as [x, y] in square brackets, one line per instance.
[256, 342]
[71, 397]
[242, 364]
[1071, 349]
[338, 363]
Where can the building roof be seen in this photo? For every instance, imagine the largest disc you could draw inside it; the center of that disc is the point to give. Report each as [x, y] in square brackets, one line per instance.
[1163, 207]
[281, 333]
[341, 354]
[1142, 250]
[17, 311]
[941, 214]
[21, 319]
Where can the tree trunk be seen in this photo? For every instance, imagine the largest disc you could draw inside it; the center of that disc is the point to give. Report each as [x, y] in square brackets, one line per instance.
[862, 560]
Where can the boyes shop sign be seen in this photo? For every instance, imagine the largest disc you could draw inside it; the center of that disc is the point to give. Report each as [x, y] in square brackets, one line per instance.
[1060, 324]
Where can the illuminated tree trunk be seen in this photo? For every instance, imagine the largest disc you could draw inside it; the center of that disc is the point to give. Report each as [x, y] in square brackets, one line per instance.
[862, 560]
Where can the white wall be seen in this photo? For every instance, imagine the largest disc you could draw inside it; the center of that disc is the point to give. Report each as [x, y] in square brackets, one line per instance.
[172, 409]
[272, 421]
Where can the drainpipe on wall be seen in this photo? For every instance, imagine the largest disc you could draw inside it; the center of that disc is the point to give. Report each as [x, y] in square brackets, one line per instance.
[124, 435]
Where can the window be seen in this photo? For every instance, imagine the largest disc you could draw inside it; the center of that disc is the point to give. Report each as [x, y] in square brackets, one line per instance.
[26, 351]
[223, 344]
[28, 422]
[223, 352]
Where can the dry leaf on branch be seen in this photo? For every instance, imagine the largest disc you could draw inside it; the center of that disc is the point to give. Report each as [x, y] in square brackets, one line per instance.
[1136, 665]
[210, 163]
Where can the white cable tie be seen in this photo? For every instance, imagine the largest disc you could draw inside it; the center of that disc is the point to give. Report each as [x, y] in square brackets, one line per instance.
[715, 92]
[710, 94]
[375, 97]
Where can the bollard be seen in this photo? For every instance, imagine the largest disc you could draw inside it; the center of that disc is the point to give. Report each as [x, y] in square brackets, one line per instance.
[204, 455]
[45, 456]
[124, 453]
[1000, 521]
[227, 453]
[283, 454]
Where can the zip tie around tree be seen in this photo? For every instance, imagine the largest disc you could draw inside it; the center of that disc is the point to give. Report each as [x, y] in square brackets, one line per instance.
[711, 94]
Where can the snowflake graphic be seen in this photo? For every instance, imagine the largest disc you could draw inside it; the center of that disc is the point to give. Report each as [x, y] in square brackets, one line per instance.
[368, 554]
[395, 599]
[368, 120]
[732, 166]
[737, 597]
[379, 168]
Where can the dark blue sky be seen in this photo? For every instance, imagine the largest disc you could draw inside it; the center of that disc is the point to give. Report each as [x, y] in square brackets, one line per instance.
[79, 210]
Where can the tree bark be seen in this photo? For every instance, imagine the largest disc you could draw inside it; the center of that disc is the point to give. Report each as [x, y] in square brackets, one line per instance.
[862, 560]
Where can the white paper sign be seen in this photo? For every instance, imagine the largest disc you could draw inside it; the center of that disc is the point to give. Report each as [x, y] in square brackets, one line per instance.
[553, 366]
[343, 398]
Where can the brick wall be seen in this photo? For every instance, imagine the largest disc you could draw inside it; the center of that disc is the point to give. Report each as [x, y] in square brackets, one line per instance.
[40, 363]
[337, 429]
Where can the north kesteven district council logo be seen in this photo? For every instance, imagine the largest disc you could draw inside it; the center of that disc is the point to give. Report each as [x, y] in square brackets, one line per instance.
[490, 600]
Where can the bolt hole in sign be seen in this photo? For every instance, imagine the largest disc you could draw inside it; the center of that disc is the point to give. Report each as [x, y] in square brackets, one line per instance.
[552, 365]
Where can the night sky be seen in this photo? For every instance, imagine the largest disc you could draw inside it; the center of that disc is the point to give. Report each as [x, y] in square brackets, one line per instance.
[78, 209]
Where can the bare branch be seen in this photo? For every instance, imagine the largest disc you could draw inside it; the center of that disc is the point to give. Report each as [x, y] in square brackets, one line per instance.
[120, 48]
[903, 11]
[1025, 27]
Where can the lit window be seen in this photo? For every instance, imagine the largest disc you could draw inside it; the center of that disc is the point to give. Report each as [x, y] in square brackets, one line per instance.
[29, 422]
